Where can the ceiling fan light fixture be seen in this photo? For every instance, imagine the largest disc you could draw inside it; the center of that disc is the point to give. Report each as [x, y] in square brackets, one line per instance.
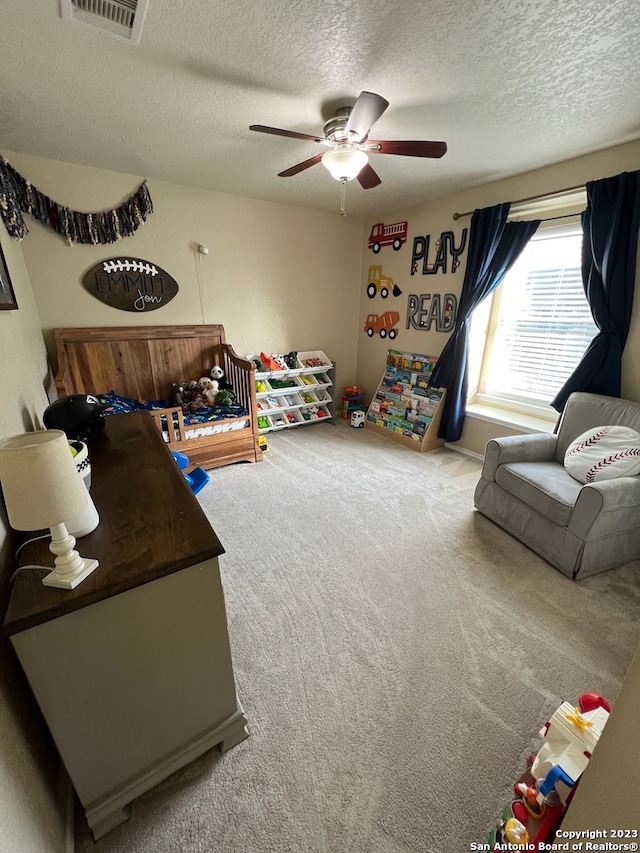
[344, 162]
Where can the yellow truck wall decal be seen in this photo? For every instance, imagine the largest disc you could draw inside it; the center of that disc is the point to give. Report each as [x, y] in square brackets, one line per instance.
[377, 282]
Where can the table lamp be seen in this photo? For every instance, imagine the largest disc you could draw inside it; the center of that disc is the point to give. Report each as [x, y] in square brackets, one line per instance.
[42, 489]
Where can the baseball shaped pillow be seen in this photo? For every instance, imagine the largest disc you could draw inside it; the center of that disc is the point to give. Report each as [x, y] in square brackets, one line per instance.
[604, 453]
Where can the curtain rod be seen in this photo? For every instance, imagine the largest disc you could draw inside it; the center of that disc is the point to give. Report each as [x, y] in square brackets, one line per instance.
[530, 198]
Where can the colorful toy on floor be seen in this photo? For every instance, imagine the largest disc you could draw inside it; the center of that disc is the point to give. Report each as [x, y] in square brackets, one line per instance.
[352, 397]
[570, 737]
[357, 418]
[544, 790]
[197, 478]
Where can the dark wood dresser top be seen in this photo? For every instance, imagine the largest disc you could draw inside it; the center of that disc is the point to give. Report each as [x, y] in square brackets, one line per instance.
[151, 525]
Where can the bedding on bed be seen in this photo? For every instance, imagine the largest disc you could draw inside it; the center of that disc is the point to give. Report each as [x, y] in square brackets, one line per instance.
[202, 420]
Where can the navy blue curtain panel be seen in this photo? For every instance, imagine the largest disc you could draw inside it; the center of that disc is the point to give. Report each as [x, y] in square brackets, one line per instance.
[494, 245]
[610, 226]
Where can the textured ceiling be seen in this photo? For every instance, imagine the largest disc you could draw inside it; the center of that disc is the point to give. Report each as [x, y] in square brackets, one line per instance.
[510, 85]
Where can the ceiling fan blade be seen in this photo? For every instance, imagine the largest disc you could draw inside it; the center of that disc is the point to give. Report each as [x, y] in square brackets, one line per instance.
[367, 178]
[293, 134]
[365, 113]
[406, 149]
[300, 167]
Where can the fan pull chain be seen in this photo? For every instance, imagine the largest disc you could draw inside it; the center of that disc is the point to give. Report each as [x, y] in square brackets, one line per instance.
[343, 212]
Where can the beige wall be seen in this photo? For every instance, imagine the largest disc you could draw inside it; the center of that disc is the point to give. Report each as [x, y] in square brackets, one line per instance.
[435, 217]
[30, 818]
[277, 277]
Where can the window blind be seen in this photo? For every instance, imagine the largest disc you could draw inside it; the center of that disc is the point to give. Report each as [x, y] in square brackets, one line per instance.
[544, 322]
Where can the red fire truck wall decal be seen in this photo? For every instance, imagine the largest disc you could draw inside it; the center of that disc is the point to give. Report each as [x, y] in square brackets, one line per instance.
[387, 235]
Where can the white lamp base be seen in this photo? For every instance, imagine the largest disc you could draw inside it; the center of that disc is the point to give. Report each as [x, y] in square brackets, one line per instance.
[71, 581]
[70, 568]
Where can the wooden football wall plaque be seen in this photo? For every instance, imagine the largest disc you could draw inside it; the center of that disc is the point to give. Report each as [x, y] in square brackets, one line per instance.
[130, 284]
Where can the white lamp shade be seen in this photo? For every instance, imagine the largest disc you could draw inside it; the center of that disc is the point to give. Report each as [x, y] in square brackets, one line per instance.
[344, 162]
[39, 480]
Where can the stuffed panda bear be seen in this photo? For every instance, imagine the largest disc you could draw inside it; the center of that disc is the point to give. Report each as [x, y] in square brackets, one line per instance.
[226, 395]
[217, 374]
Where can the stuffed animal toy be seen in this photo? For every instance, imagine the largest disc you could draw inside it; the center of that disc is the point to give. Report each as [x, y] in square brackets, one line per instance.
[192, 396]
[178, 390]
[218, 375]
[225, 397]
[208, 388]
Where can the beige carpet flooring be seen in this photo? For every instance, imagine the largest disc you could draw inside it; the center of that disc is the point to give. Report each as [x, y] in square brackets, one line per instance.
[396, 654]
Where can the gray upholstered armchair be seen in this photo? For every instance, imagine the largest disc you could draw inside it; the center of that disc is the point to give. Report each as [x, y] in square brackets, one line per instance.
[579, 529]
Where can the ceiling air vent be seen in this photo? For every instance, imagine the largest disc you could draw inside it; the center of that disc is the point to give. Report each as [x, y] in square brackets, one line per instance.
[120, 18]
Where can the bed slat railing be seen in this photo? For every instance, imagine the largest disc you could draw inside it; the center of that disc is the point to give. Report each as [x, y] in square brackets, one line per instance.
[240, 374]
[170, 422]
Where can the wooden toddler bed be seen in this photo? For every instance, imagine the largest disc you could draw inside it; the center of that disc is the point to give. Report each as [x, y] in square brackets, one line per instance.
[143, 362]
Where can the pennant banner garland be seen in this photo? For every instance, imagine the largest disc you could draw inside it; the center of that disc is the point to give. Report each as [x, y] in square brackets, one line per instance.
[18, 196]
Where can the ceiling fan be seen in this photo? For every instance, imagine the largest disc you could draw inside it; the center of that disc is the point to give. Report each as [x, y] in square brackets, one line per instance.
[347, 135]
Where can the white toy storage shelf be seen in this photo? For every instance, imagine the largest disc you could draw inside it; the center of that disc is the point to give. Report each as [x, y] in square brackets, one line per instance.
[295, 396]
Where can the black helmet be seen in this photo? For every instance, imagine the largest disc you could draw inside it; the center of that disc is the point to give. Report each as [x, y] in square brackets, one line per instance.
[79, 416]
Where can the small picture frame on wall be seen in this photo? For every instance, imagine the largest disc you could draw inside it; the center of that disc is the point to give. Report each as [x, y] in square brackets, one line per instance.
[7, 296]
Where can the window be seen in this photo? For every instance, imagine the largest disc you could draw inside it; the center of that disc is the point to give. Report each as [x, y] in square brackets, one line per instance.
[527, 338]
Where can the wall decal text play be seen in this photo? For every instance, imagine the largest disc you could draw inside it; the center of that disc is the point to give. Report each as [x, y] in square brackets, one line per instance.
[445, 247]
